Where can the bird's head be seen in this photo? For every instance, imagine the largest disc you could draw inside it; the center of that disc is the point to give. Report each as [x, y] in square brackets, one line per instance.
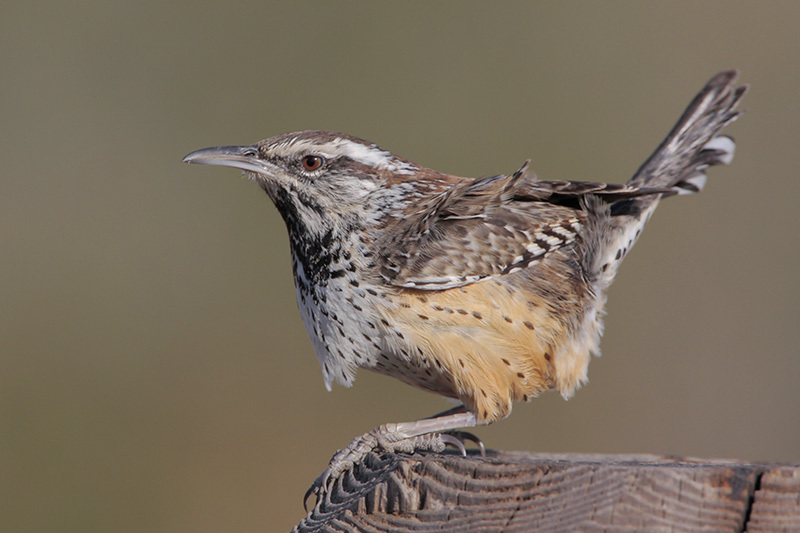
[317, 179]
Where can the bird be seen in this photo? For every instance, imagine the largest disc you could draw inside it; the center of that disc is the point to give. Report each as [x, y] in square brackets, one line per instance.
[486, 290]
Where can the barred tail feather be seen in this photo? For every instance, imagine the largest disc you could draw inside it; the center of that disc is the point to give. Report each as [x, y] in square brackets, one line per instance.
[717, 151]
[694, 144]
[678, 164]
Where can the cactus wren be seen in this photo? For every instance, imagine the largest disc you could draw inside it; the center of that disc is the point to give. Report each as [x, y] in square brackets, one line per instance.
[487, 290]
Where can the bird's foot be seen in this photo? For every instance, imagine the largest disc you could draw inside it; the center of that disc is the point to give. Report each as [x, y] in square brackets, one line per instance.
[386, 438]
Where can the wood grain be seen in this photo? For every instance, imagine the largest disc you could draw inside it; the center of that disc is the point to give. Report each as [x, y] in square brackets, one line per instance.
[515, 491]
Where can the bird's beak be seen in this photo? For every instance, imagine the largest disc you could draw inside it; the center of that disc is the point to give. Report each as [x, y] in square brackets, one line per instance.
[243, 157]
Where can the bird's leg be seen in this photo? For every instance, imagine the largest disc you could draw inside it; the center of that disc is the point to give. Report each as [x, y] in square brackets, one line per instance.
[458, 438]
[428, 434]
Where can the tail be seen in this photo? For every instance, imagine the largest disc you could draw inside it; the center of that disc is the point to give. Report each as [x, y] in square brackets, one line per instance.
[694, 144]
[679, 164]
[680, 161]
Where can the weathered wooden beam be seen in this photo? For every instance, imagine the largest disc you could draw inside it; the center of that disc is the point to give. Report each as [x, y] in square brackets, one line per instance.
[516, 491]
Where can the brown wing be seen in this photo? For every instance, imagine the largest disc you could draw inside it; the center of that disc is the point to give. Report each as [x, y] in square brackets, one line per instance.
[489, 227]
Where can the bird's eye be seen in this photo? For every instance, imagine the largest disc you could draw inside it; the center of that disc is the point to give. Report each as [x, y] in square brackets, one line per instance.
[311, 163]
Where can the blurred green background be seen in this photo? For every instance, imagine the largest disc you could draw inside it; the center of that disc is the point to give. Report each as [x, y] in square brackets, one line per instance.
[154, 373]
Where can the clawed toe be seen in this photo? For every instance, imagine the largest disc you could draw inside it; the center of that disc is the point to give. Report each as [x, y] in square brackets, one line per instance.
[430, 434]
[321, 486]
[464, 436]
[314, 489]
[455, 442]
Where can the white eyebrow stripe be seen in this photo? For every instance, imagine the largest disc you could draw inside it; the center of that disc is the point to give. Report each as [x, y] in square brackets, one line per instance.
[369, 155]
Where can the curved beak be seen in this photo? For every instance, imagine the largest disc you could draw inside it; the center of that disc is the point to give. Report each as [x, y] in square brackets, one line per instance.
[242, 157]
